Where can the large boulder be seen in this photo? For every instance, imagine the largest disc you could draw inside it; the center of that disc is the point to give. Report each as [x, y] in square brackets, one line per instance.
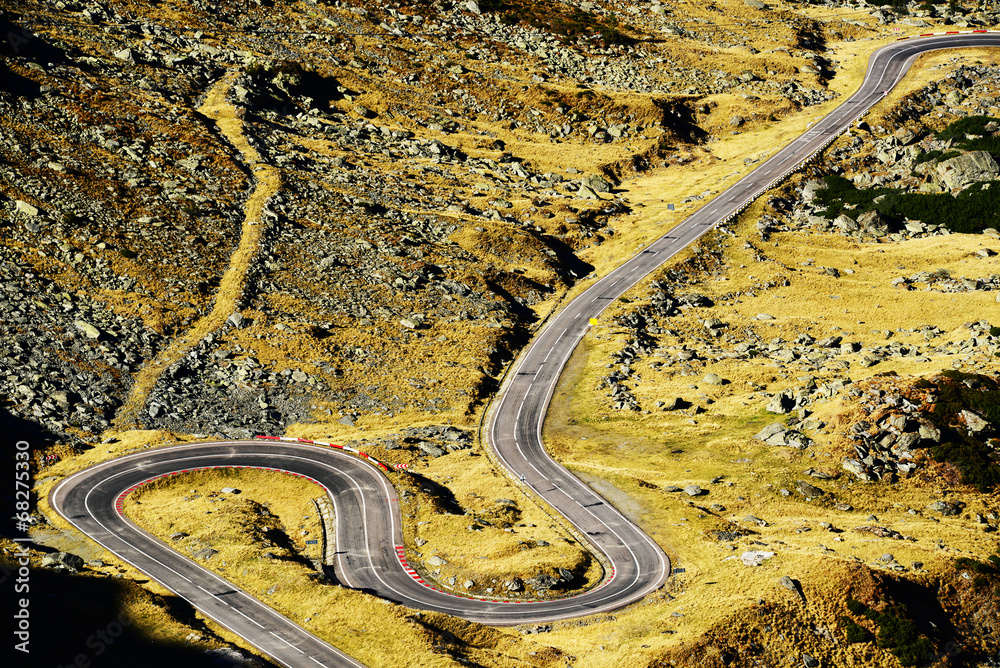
[872, 223]
[968, 168]
[63, 561]
[974, 423]
[809, 190]
[755, 557]
[857, 468]
[809, 491]
[783, 402]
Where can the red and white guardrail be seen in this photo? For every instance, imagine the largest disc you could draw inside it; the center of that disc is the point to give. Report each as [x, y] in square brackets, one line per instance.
[345, 448]
[950, 32]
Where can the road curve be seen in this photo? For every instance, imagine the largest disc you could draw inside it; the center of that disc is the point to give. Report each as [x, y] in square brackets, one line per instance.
[368, 521]
[515, 428]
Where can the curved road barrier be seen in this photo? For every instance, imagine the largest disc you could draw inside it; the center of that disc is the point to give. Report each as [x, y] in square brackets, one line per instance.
[368, 534]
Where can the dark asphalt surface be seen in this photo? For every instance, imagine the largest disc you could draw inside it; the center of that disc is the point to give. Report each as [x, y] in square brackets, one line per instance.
[368, 519]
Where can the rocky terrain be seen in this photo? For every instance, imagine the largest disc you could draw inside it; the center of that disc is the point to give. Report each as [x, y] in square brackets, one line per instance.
[415, 203]
[393, 198]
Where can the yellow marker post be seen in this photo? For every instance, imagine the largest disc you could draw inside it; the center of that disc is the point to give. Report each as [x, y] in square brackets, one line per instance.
[593, 322]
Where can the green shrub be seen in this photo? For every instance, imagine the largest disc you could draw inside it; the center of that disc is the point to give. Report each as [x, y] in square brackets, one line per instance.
[971, 211]
[857, 607]
[898, 634]
[969, 564]
[938, 155]
[974, 459]
[970, 125]
[855, 632]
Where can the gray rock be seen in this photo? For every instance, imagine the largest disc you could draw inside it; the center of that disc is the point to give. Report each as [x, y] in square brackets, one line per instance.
[236, 320]
[25, 208]
[790, 439]
[929, 432]
[65, 561]
[597, 183]
[873, 223]
[89, 330]
[693, 490]
[347, 421]
[807, 490]
[468, 584]
[431, 449]
[61, 397]
[792, 586]
[205, 553]
[770, 430]
[968, 168]
[783, 402]
[974, 423]
[945, 508]
[845, 224]
[809, 190]
[229, 490]
[128, 55]
[755, 557]
[856, 468]
[473, 7]
[713, 379]
[436, 561]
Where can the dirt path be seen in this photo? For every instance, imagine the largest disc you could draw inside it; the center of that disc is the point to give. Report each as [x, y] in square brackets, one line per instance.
[233, 281]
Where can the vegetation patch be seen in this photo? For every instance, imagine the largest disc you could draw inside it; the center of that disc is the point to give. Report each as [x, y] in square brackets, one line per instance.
[960, 392]
[969, 212]
[896, 632]
[973, 133]
[986, 572]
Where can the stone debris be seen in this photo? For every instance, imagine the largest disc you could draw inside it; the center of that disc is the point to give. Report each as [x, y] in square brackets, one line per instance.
[755, 557]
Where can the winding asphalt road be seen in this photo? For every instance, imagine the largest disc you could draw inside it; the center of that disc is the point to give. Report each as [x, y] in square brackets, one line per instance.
[368, 535]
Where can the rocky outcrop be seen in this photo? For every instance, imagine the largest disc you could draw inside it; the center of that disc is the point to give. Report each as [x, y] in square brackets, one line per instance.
[968, 168]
